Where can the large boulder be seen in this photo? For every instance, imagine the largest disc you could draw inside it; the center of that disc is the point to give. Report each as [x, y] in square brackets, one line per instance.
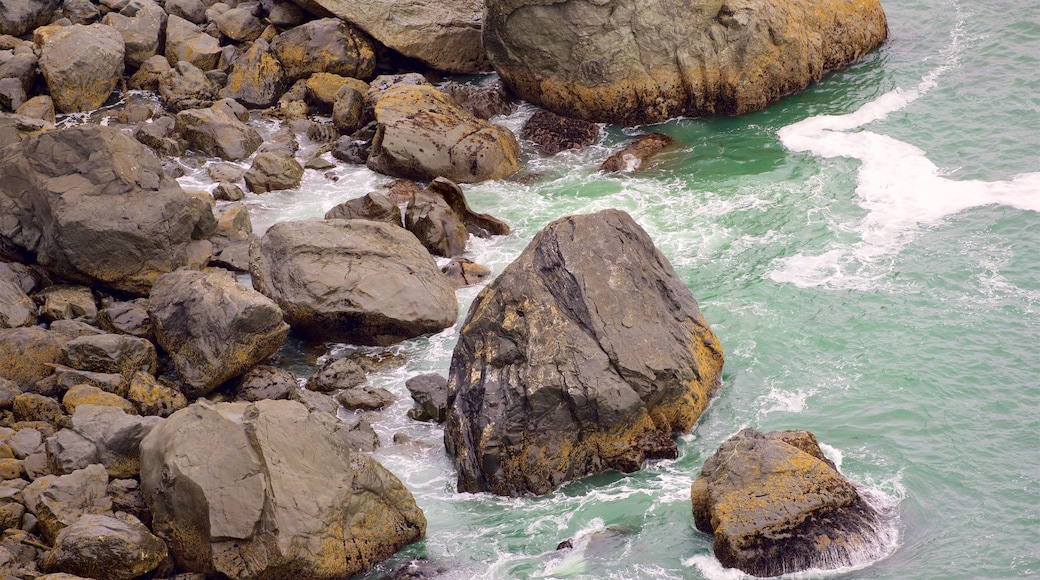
[29, 354]
[256, 78]
[186, 41]
[219, 131]
[423, 134]
[271, 490]
[325, 45]
[631, 361]
[19, 16]
[214, 328]
[58, 501]
[93, 204]
[638, 61]
[82, 65]
[357, 281]
[100, 434]
[105, 548]
[777, 506]
[141, 23]
[444, 34]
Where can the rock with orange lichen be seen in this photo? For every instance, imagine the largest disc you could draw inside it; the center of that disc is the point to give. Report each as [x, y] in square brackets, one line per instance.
[643, 61]
[777, 506]
[586, 354]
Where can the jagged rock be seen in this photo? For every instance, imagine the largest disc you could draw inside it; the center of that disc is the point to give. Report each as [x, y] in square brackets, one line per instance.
[186, 41]
[218, 131]
[185, 86]
[325, 45]
[213, 328]
[23, 68]
[423, 134]
[16, 308]
[632, 361]
[353, 280]
[82, 65]
[18, 16]
[65, 302]
[434, 223]
[117, 220]
[27, 354]
[230, 494]
[141, 24]
[443, 34]
[154, 398]
[637, 154]
[482, 102]
[335, 374]
[478, 224]
[273, 170]
[147, 76]
[158, 135]
[373, 206]
[634, 62]
[102, 434]
[266, 382]
[551, 133]
[111, 353]
[105, 548]
[430, 391]
[257, 78]
[58, 501]
[130, 318]
[777, 506]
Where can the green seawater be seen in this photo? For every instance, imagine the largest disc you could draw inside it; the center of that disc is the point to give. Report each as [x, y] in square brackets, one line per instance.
[878, 285]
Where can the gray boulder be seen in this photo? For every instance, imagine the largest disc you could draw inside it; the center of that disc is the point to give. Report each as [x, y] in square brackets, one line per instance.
[105, 548]
[430, 392]
[185, 86]
[214, 328]
[632, 361]
[372, 206]
[233, 495]
[272, 170]
[58, 501]
[439, 229]
[266, 382]
[353, 280]
[100, 434]
[256, 78]
[218, 131]
[141, 24]
[111, 353]
[186, 41]
[16, 308]
[637, 61]
[116, 220]
[335, 374]
[444, 34]
[82, 65]
[19, 16]
[423, 134]
[365, 398]
[777, 506]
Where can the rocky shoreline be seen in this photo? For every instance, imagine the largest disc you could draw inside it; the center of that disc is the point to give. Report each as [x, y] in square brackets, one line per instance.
[145, 430]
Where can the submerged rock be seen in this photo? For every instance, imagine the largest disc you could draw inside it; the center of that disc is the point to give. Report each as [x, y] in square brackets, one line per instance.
[234, 496]
[777, 506]
[586, 354]
[637, 154]
[637, 61]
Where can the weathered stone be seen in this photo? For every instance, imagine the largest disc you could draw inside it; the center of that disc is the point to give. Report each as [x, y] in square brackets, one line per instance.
[39, 107]
[147, 76]
[478, 224]
[109, 382]
[365, 398]
[777, 506]
[25, 442]
[348, 111]
[64, 302]
[105, 548]
[33, 407]
[631, 363]
[315, 402]
[636, 61]
[16, 308]
[273, 170]
[18, 16]
[231, 496]
[373, 206]
[266, 382]
[483, 102]
[186, 41]
[12, 95]
[80, 11]
[23, 68]
[82, 65]
[225, 191]
[141, 24]
[325, 45]
[111, 353]
[225, 172]
[130, 318]
[213, 328]
[462, 272]
[354, 280]
[551, 133]
[256, 78]
[116, 219]
[154, 398]
[637, 154]
[58, 501]
[193, 11]
[240, 24]
[323, 89]
[443, 34]
[434, 223]
[335, 374]
[75, 328]
[26, 354]
[115, 434]
[430, 391]
[185, 86]
[423, 134]
[91, 395]
[218, 132]
[286, 14]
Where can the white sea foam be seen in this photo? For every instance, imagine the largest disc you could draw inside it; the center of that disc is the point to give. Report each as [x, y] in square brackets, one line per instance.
[898, 186]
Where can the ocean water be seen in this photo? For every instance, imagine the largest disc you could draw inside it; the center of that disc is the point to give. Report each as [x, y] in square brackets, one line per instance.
[867, 251]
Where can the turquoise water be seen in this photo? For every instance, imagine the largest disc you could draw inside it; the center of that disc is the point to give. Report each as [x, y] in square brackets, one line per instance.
[874, 277]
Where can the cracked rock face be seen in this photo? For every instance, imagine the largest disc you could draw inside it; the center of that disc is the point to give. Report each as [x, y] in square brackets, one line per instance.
[271, 490]
[586, 354]
[637, 61]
